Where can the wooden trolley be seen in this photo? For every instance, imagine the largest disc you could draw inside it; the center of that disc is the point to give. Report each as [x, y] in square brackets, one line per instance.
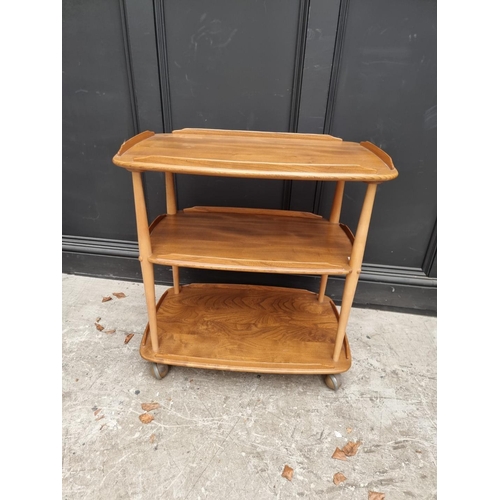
[245, 327]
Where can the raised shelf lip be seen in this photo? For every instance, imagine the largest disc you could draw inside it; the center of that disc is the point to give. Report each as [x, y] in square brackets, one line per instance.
[216, 216]
[241, 168]
[133, 141]
[251, 133]
[270, 267]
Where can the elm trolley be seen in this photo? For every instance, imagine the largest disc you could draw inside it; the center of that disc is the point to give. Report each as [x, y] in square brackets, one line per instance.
[251, 328]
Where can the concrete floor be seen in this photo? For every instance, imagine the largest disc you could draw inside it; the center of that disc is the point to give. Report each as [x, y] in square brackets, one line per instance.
[224, 435]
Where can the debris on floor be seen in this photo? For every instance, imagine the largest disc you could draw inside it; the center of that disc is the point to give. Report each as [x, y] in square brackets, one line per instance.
[373, 495]
[119, 295]
[351, 448]
[99, 327]
[127, 338]
[287, 473]
[339, 454]
[338, 478]
[146, 418]
[150, 406]
[106, 299]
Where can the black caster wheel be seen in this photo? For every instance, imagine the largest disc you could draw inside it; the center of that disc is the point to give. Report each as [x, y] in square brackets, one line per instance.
[333, 382]
[159, 371]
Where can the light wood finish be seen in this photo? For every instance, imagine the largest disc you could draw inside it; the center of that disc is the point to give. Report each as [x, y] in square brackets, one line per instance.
[337, 202]
[248, 240]
[254, 211]
[266, 155]
[380, 153]
[133, 141]
[172, 210]
[322, 287]
[170, 192]
[358, 250]
[144, 254]
[148, 279]
[247, 328]
[175, 278]
[252, 133]
[242, 327]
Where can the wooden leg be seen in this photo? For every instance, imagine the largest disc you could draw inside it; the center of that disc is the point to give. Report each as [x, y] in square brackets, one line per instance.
[149, 290]
[148, 276]
[172, 210]
[175, 276]
[351, 282]
[322, 287]
[170, 191]
[357, 253]
[337, 202]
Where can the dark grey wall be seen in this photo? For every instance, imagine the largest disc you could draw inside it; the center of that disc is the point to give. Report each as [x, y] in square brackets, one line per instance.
[386, 94]
[96, 117]
[357, 70]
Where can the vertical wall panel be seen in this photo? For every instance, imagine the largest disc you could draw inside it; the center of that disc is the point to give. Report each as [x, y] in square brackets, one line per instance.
[321, 33]
[231, 66]
[97, 116]
[387, 95]
[142, 43]
[231, 63]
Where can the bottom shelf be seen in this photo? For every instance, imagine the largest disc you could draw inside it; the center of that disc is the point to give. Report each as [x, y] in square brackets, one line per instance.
[247, 328]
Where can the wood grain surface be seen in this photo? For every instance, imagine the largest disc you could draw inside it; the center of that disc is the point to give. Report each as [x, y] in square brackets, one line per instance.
[270, 155]
[247, 328]
[239, 239]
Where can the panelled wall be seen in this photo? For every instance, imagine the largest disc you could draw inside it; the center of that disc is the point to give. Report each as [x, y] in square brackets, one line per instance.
[354, 69]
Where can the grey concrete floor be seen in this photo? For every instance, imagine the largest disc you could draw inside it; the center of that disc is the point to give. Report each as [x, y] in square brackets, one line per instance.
[226, 435]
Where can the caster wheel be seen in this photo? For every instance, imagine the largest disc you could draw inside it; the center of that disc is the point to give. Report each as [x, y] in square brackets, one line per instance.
[159, 371]
[333, 382]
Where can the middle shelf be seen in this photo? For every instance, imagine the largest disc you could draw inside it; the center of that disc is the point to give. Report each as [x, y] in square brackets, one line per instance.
[256, 240]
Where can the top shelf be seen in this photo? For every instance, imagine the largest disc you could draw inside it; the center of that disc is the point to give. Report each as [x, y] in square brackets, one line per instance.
[265, 155]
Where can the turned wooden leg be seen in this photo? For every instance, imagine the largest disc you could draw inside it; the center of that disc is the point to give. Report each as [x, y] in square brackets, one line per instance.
[322, 287]
[144, 252]
[357, 253]
[149, 290]
[351, 282]
[170, 191]
[172, 210]
[175, 276]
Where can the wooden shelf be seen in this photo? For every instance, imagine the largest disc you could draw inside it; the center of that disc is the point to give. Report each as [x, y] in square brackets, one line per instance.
[247, 328]
[251, 240]
[248, 154]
